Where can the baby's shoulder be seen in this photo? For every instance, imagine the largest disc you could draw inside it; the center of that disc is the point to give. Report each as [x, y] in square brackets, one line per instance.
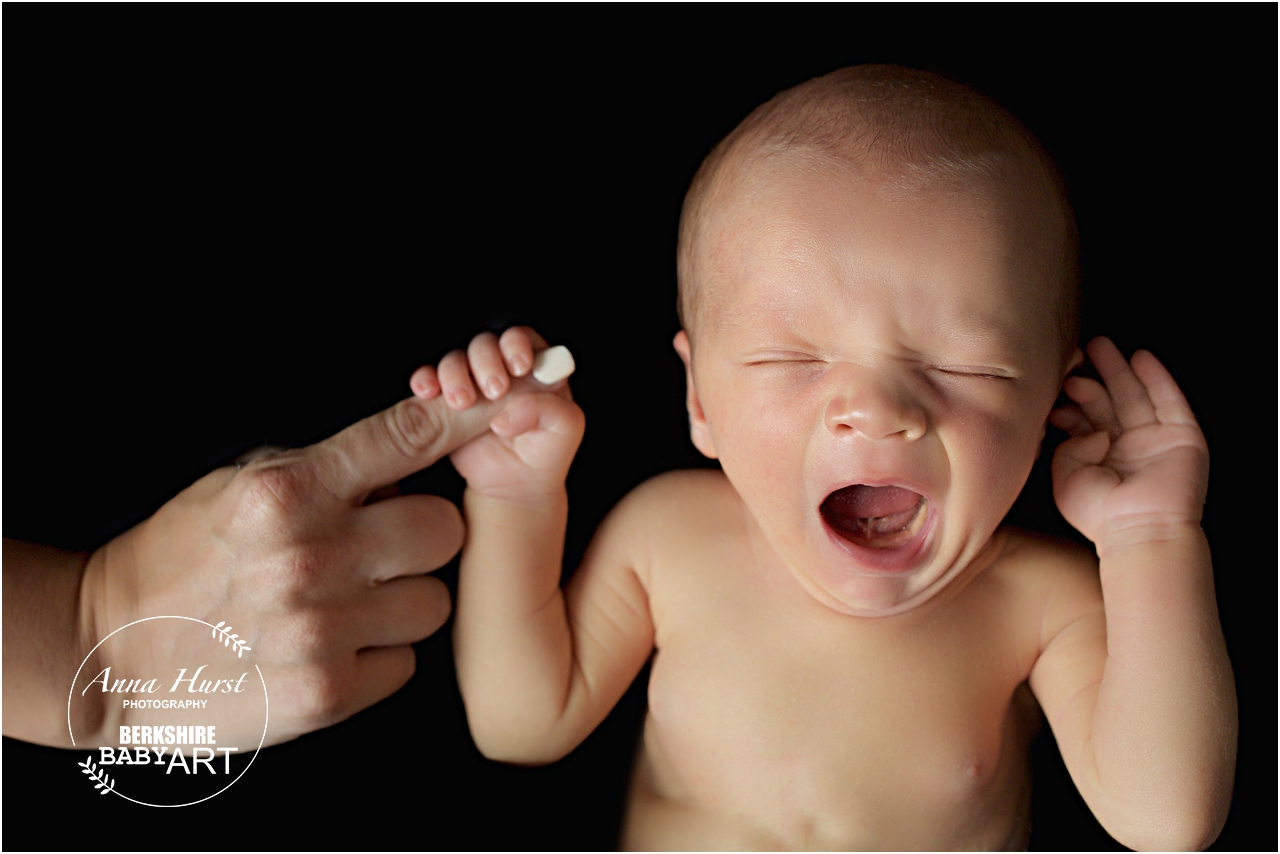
[1039, 553]
[672, 514]
[679, 500]
[1050, 571]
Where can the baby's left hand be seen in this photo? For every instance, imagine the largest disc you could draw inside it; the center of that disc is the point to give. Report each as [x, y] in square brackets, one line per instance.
[1136, 465]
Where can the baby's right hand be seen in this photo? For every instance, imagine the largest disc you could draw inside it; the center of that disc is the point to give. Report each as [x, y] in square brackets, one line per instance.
[535, 435]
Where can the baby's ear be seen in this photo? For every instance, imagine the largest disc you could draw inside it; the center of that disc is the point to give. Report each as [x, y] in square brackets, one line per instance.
[698, 431]
[1076, 360]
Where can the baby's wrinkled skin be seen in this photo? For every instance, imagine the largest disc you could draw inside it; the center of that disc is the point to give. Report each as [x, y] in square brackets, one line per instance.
[808, 692]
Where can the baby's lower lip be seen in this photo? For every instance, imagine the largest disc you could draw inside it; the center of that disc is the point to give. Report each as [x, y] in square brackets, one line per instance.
[889, 542]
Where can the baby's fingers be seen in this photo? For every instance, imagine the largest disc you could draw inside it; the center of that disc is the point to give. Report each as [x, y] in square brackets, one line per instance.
[1094, 403]
[1171, 406]
[455, 380]
[1128, 395]
[1083, 452]
[1070, 419]
[1079, 478]
[424, 384]
[518, 345]
[487, 366]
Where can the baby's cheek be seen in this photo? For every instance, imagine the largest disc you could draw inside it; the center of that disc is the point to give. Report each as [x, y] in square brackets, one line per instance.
[995, 454]
[761, 450]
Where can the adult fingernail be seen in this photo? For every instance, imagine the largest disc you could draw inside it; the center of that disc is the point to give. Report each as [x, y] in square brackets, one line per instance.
[500, 421]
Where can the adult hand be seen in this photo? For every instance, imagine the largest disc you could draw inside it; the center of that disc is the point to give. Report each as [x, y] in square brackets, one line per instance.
[327, 588]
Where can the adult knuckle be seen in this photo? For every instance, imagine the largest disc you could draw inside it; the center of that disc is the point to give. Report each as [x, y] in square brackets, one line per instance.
[310, 636]
[436, 606]
[273, 491]
[439, 529]
[322, 694]
[414, 430]
[440, 517]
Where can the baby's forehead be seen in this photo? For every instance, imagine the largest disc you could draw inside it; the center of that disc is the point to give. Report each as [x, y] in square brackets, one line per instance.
[798, 242]
[804, 210]
[998, 185]
[928, 139]
[981, 249]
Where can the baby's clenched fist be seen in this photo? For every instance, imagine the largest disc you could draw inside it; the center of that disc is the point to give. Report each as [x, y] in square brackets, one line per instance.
[533, 438]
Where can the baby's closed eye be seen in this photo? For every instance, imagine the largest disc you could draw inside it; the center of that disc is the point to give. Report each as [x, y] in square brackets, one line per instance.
[974, 371]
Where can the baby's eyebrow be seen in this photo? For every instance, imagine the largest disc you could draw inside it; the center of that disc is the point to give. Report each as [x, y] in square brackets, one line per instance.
[983, 333]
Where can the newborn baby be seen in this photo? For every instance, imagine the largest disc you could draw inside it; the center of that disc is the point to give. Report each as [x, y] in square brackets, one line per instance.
[878, 300]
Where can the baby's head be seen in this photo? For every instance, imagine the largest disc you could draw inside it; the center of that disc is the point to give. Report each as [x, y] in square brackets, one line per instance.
[878, 293]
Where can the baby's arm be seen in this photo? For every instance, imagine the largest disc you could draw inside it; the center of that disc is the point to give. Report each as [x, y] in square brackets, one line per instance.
[1143, 706]
[538, 668]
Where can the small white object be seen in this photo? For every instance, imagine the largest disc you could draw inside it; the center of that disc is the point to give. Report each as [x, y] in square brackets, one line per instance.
[552, 365]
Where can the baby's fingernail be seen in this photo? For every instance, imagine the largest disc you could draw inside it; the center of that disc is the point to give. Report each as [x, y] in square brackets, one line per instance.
[493, 387]
[519, 365]
[500, 421]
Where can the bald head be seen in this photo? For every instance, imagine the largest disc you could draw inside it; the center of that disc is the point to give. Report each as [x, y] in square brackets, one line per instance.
[910, 130]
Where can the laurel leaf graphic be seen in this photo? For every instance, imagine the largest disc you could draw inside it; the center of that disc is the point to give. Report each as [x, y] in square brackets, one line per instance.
[221, 623]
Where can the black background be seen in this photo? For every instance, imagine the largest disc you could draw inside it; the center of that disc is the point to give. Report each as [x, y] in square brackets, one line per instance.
[235, 225]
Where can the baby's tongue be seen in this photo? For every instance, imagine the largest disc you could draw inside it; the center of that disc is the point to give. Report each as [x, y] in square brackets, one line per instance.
[882, 517]
[863, 502]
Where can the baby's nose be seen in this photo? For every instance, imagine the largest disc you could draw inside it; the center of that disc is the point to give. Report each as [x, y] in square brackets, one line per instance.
[875, 407]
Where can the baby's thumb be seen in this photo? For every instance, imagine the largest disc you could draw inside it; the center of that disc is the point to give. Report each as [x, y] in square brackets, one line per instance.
[1082, 452]
[538, 411]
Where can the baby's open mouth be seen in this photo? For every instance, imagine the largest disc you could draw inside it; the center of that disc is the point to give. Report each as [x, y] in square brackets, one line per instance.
[878, 517]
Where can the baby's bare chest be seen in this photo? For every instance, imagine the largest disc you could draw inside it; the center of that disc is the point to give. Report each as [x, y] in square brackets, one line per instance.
[829, 727]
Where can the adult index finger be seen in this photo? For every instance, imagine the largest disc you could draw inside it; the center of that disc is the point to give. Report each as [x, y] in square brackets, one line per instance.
[395, 443]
